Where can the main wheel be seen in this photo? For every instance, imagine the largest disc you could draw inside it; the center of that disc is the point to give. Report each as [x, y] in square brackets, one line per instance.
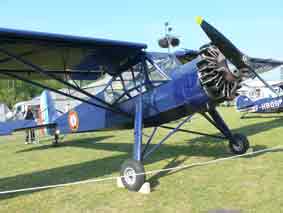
[129, 170]
[239, 145]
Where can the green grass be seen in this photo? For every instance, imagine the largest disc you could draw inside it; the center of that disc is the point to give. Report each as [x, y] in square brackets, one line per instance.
[250, 184]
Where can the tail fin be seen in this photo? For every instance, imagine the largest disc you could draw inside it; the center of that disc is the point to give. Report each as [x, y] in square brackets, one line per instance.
[48, 113]
[243, 102]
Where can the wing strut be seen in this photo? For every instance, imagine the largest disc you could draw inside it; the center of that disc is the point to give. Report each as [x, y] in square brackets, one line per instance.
[62, 93]
[44, 72]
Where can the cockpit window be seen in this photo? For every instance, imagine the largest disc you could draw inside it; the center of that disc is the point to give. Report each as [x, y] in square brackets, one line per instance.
[132, 81]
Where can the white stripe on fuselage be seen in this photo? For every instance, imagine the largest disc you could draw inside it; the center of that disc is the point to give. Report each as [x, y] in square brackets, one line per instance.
[266, 106]
[271, 105]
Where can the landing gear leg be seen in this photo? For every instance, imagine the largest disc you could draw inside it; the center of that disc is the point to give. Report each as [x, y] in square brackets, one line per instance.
[132, 170]
[56, 138]
[238, 143]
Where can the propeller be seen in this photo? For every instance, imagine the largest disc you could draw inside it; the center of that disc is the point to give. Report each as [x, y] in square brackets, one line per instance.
[230, 51]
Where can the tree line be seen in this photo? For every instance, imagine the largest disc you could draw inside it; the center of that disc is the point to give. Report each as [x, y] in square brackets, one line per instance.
[14, 91]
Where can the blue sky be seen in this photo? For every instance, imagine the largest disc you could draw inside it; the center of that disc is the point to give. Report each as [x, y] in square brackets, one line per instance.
[256, 27]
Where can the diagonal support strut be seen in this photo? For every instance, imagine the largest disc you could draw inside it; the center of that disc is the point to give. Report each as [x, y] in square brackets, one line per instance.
[44, 72]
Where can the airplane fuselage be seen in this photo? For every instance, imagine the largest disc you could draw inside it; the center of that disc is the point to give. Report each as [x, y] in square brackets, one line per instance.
[266, 105]
[182, 95]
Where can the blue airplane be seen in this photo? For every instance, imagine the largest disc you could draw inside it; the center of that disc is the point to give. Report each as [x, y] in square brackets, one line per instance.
[264, 105]
[146, 89]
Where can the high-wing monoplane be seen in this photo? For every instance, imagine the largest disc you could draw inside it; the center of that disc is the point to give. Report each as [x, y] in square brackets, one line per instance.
[145, 89]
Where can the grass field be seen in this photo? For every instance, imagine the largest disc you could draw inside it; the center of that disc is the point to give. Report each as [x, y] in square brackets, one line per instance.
[249, 184]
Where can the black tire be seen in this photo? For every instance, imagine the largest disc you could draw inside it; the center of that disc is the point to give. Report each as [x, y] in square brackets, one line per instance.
[239, 145]
[128, 170]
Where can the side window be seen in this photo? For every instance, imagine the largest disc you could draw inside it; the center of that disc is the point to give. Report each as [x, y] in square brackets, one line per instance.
[125, 86]
[132, 81]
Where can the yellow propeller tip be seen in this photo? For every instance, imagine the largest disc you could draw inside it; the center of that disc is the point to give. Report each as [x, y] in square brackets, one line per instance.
[199, 20]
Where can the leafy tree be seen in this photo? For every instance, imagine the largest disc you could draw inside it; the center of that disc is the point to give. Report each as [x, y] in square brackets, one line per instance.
[14, 91]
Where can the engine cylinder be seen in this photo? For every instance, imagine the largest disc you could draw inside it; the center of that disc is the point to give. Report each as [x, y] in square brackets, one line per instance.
[218, 80]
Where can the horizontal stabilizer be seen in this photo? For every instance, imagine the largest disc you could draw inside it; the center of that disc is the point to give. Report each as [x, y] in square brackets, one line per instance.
[7, 128]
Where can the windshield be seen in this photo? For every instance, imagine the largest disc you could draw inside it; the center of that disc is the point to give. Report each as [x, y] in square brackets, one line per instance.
[164, 62]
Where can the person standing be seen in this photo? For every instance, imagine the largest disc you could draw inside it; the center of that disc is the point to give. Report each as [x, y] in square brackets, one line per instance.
[29, 132]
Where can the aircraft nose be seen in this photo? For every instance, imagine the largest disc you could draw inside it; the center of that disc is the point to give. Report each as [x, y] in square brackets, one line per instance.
[219, 80]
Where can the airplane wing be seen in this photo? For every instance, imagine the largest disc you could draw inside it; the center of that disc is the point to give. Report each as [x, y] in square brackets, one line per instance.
[70, 57]
[263, 65]
[7, 128]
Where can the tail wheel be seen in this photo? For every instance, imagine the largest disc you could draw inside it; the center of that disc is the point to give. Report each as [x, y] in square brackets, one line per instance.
[132, 173]
[239, 145]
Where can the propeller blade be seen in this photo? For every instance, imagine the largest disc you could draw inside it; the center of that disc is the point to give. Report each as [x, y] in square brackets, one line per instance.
[227, 48]
[230, 51]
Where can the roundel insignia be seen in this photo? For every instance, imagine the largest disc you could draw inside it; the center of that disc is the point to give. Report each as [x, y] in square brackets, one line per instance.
[73, 120]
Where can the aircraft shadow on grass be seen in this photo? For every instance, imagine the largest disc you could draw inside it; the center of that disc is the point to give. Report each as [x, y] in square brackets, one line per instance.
[200, 146]
[248, 130]
[261, 116]
[86, 142]
[101, 167]
[91, 142]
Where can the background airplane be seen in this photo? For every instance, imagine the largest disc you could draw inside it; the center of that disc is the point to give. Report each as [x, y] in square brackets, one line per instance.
[264, 105]
[271, 104]
[146, 89]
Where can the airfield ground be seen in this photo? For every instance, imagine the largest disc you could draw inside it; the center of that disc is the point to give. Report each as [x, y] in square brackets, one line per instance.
[249, 184]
